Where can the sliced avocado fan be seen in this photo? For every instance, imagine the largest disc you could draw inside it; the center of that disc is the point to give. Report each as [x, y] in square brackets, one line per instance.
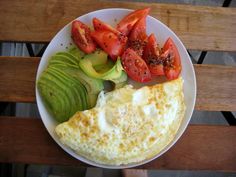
[65, 88]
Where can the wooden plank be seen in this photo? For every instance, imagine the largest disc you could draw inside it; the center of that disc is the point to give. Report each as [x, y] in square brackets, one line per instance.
[17, 79]
[134, 173]
[201, 28]
[201, 147]
[215, 83]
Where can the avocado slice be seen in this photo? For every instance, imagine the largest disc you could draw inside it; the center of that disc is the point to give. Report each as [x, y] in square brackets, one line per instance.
[61, 99]
[104, 67]
[121, 81]
[69, 55]
[76, 52]
[98, 57]
[74, 86]
[92, 86]
[63, 59]
[113, 73]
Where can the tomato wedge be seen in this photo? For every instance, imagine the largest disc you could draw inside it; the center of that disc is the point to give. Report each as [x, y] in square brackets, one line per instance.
[135, 66]
[138, 37]
[172, 63]
[111, 43]
[152, 57]
[81, 36]
[100, 25]
[127, 23]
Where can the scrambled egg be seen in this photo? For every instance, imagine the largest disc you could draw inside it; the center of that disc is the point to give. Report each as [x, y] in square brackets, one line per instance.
[127, 125]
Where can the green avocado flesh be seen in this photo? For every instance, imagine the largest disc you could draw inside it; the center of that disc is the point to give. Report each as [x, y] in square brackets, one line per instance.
[65, 88]
[76, 52]
[121, 81]
[106, 71]
[73, 79]
[99, 57]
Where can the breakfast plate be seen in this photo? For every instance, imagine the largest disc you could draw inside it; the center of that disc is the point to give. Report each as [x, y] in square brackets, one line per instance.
[62, 41]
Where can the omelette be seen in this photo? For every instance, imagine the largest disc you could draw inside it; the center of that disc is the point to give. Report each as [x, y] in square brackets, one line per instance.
[127, 125]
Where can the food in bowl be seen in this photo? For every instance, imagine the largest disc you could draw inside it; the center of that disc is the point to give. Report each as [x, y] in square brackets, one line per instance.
[117, 55]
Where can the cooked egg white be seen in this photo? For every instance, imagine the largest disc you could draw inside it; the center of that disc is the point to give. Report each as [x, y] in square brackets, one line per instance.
[127, 125]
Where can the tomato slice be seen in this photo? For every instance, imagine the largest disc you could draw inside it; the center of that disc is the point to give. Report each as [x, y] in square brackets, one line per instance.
[152, 57]
[111, 43]
[100, 25]
[127, 23]
[135, 66]
[138, 37]
[81, 36]
[172, 62]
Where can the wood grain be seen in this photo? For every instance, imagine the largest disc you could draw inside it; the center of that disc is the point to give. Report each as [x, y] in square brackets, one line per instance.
[216, 84]
[17, 79]
[134, 173]
[201, 28]
[200, 148]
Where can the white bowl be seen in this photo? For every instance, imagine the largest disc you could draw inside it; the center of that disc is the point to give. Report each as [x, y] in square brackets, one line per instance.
[62, 41]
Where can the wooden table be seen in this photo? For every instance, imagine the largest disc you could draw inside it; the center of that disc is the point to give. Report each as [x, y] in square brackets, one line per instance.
[202, 147]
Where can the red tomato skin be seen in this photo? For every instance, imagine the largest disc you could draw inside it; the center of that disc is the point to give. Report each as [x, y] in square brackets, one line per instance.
[100, 25]
[81, 36]
[151, 55]
[157, 70]
[139, 30]
[127, 23]
[172, 71]
[138, 37]
[135, 66]
[111, 43]
[172, 74]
